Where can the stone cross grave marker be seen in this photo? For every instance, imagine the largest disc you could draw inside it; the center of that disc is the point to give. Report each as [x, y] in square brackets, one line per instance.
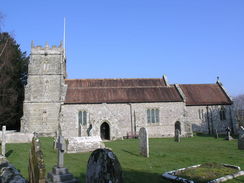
[60, 145]
[228, 130]
[177, 135]
[59, 173]
[144, 143]
[103, 166]
[3, 140]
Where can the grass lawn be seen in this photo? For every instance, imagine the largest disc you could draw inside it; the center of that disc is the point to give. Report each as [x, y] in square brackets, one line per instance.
[165, 155]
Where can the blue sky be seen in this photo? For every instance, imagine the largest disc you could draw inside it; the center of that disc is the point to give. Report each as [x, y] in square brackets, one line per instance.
[190, 41]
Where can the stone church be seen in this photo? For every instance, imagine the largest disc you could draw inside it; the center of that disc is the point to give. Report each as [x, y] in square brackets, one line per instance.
[117, 108]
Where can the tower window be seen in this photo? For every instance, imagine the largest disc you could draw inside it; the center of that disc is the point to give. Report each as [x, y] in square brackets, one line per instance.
[82, 118]
[153, 115]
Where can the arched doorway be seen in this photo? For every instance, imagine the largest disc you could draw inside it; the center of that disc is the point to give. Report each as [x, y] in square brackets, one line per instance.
[105, 131]
[177, 126]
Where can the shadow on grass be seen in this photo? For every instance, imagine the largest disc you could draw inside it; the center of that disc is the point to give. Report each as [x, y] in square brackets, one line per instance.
[214, 136]
[131, 176]
[9, 153]
[82, 178]
[131, 153]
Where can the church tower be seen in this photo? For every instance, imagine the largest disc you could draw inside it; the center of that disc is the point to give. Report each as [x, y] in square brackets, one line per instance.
[45, 90]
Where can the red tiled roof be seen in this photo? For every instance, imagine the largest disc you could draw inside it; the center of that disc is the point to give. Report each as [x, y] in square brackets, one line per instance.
[119, 91]
[205, 94]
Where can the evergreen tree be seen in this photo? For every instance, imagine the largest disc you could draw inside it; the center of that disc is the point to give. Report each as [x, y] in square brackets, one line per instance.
[13, 76]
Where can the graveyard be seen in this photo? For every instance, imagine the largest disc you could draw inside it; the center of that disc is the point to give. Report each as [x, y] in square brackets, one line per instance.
[165, 154]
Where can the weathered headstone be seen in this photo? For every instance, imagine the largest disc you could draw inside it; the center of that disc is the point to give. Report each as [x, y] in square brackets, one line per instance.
[103, 167]
[3, 140]
[36, 167]
[228, 137]
[177, 135]
[241, 138]
[60, 174]
[216, 134]
[144, 143]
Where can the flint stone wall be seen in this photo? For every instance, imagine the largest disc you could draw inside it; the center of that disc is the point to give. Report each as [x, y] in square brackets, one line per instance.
[200, 121]
[120, 121]
[84, 144]
[17, 137]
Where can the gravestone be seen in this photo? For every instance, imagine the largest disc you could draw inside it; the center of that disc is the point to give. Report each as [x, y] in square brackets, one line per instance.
[36, 167]
[228, 137]
[60, 174]
[144, 143]
[216, 134]
[103, 167]
[3, 140]
[177, 135]
[241, 138]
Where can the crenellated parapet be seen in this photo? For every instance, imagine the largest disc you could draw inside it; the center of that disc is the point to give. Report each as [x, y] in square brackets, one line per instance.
[47, 49]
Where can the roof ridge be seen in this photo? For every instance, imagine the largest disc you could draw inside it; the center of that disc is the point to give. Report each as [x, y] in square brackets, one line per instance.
[200, 84]
[121, 87]
[113, 79]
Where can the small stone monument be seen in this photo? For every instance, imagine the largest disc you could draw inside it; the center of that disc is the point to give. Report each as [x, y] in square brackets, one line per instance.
[144, 143]
[36, 167]
[3, 141]
[216, 134]
[177, 135]
[103, 167]
[241, 138]
[228, 137]
[60, 174]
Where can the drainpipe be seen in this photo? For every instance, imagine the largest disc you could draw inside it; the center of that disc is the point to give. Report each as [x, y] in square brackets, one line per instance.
[135, 122]
[131, 118]
[208, 121]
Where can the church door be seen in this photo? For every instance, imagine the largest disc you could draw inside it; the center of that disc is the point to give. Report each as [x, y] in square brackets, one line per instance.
[105, 131]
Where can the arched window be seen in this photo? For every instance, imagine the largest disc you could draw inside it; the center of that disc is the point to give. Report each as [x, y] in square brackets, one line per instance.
[222, 113]
[82, 117]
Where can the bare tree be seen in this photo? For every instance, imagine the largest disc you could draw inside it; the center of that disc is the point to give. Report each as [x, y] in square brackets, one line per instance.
[239, 108]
